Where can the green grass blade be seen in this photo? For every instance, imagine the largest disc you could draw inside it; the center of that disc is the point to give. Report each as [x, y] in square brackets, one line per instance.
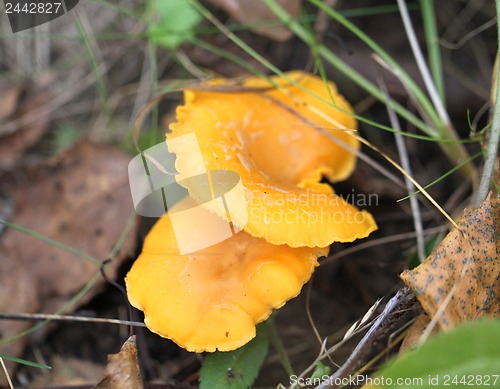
[336, 62]
[432, 39]
[346, 70]
[51, 241]
[454, 169]
[24, 362]
[408, 81]
[329, 56]
[342, 66]
[453, 150]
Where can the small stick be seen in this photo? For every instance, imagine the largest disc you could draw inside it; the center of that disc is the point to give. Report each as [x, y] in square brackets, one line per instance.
[405, 163]
[46, 316]
[402, 300]
[11, 386]
[381, 241]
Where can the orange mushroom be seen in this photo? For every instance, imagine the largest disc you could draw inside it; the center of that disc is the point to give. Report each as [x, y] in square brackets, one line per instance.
[213, 298]
[270, 139]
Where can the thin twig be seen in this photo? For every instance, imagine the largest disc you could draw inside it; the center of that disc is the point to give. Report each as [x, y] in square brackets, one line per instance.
[11, 386]
[422, 66]
[53, 317]
[308, 311]
[401, 301]
[379, 242]
[327, 352]
[455, 152]
[405, 163]
[413, 98]
[468, 36]
[322, 342]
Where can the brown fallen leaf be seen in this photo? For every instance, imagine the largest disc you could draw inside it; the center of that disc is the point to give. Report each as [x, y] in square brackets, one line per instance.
[82, 199]
[122, 370]
[460, 280]
[257, 12]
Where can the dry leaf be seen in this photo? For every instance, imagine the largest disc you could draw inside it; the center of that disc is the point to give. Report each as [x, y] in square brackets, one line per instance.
[465, 267]
[257, 12]
[82, 200]
[122, 371]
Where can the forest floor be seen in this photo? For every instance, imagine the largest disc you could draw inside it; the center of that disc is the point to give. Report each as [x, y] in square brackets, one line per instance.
[70, 91]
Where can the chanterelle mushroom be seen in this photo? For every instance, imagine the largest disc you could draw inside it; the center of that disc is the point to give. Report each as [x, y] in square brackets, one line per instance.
[269, 138]
[213, 298]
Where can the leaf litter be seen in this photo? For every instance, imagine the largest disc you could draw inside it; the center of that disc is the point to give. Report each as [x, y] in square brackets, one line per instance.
[81, 199]
[122, 370]
[460, 280]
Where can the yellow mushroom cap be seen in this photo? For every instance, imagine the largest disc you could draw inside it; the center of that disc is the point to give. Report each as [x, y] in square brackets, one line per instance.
[312, 154]
[267, 138]
[212, 299]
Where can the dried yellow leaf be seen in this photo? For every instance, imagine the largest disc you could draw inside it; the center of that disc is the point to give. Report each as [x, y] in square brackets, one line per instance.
[461, 279]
